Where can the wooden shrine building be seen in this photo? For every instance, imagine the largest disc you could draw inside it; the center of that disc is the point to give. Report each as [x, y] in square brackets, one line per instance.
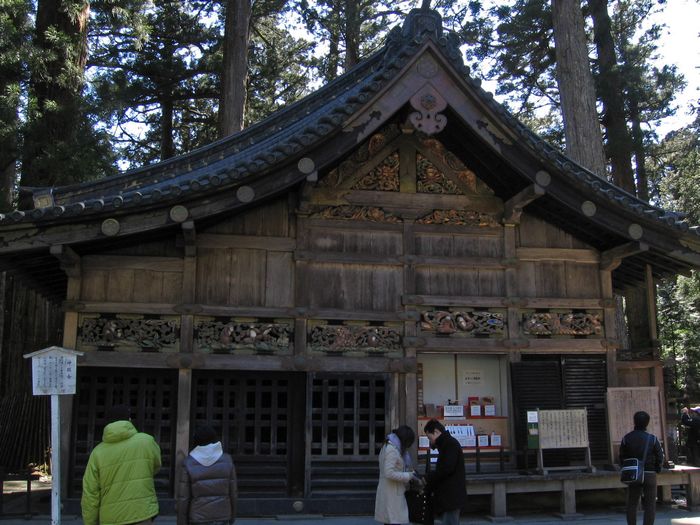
[393, 243]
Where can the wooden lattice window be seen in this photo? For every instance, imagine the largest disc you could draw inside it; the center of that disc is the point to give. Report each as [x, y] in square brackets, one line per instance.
[251, 413]
[348, 415]
[152, 397]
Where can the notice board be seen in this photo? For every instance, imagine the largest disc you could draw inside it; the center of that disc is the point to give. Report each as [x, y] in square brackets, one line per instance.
[563, 428]
[623, 402]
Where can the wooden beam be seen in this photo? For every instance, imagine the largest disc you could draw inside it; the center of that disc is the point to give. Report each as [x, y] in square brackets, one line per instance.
[611, 259]
[513, 208]
[190, 235]
[582, 256]
[69, 260]
[253, 242]
[132, 262]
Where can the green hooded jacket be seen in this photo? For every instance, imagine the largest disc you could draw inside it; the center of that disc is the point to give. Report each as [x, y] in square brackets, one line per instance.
[118, 483]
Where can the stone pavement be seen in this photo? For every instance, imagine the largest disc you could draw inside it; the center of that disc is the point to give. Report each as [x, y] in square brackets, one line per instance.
[41, 497]
[663, 517]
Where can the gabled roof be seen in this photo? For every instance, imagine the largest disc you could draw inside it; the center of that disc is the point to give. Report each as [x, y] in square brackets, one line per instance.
[308, 137]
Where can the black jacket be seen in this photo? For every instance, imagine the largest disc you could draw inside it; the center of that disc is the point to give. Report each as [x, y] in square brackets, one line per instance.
[693, 425]
[632, 446]
[447, 481]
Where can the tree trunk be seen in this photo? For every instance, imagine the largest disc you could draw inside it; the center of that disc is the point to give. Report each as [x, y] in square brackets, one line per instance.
[352, 33]
[235, 75]
[56, 91]
[639, 150]
[611, 91]
[584, 143]
[167, 146]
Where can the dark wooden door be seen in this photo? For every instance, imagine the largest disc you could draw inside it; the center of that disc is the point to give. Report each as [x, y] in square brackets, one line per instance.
[561, 381]
[348, 422]
[152, 397]
[260, 418]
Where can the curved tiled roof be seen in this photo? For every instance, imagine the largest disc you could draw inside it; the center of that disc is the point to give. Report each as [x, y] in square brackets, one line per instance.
[287, 134]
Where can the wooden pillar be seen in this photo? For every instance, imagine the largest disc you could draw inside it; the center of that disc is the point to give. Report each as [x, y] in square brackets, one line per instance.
[182, 437]
[184, 385]
[609, 324]
[70, 340]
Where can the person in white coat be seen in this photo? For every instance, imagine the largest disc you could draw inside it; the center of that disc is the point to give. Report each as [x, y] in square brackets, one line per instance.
[395, 472]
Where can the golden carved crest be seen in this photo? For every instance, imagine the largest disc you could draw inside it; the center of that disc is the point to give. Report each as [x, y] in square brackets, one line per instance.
[460, 218]
[356, 213]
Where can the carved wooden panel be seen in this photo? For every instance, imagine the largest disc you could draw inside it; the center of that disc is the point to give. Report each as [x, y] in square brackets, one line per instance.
[128, 333]
[567, 323]
[223, 335]
[355, 338]
[357, 213]
[463, 322]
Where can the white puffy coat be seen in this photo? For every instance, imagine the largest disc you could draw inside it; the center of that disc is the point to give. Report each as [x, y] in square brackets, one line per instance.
[390, 503]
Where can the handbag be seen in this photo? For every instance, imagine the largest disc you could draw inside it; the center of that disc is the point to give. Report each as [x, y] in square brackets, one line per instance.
[632, 472]
[420, 504]
[420, 507]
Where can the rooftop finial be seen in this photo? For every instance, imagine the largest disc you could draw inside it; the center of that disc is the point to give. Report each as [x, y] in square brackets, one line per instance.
[425, 5]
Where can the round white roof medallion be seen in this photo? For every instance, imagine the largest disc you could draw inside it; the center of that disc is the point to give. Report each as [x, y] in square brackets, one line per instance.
[635, 231]
[245, 194]
[110, 227]
[589, 208]
[179, 213]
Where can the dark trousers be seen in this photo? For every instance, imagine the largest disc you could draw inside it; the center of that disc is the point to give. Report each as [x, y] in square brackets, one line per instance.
[648, 491]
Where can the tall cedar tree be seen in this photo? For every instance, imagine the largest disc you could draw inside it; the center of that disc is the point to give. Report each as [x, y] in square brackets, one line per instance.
[61, 144]
[158, 89]
[584, 142]
[238, 16]
[15, 28]
[611, 89]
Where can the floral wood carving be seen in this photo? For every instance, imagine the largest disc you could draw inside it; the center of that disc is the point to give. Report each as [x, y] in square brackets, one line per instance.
[129, 334]
[463, 322]
[459, 217]
[467, 179]
[350, 167]
[427, 118]
[384, 177]
[220, 336]
[344, 338]
[356, 213]
[558, 323]
[432, 180]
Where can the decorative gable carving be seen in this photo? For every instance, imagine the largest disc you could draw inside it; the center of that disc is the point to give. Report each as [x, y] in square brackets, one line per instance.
[384, 177]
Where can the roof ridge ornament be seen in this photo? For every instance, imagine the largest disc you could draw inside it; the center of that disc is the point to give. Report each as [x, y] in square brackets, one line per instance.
[422, 23]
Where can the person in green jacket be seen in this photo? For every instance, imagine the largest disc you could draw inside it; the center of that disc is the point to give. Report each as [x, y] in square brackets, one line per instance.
[118, 486]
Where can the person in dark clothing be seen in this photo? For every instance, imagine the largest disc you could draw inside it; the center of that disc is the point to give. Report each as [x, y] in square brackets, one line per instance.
[690, 418]
[207, 490]
[633, 446]
[446, 483]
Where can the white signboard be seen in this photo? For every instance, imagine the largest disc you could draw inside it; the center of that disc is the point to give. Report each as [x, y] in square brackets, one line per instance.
[473, 377]
[453, 410]
[53, 373]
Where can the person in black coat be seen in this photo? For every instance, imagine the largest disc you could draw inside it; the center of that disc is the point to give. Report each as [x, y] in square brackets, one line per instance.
[690, 418]
[633, 446]
[446, 483]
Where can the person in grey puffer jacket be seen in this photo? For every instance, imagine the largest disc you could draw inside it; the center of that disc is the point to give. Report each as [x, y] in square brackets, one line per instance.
[207, 490]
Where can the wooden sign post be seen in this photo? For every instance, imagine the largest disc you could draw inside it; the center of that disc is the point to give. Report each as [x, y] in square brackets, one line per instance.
[53, 374]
